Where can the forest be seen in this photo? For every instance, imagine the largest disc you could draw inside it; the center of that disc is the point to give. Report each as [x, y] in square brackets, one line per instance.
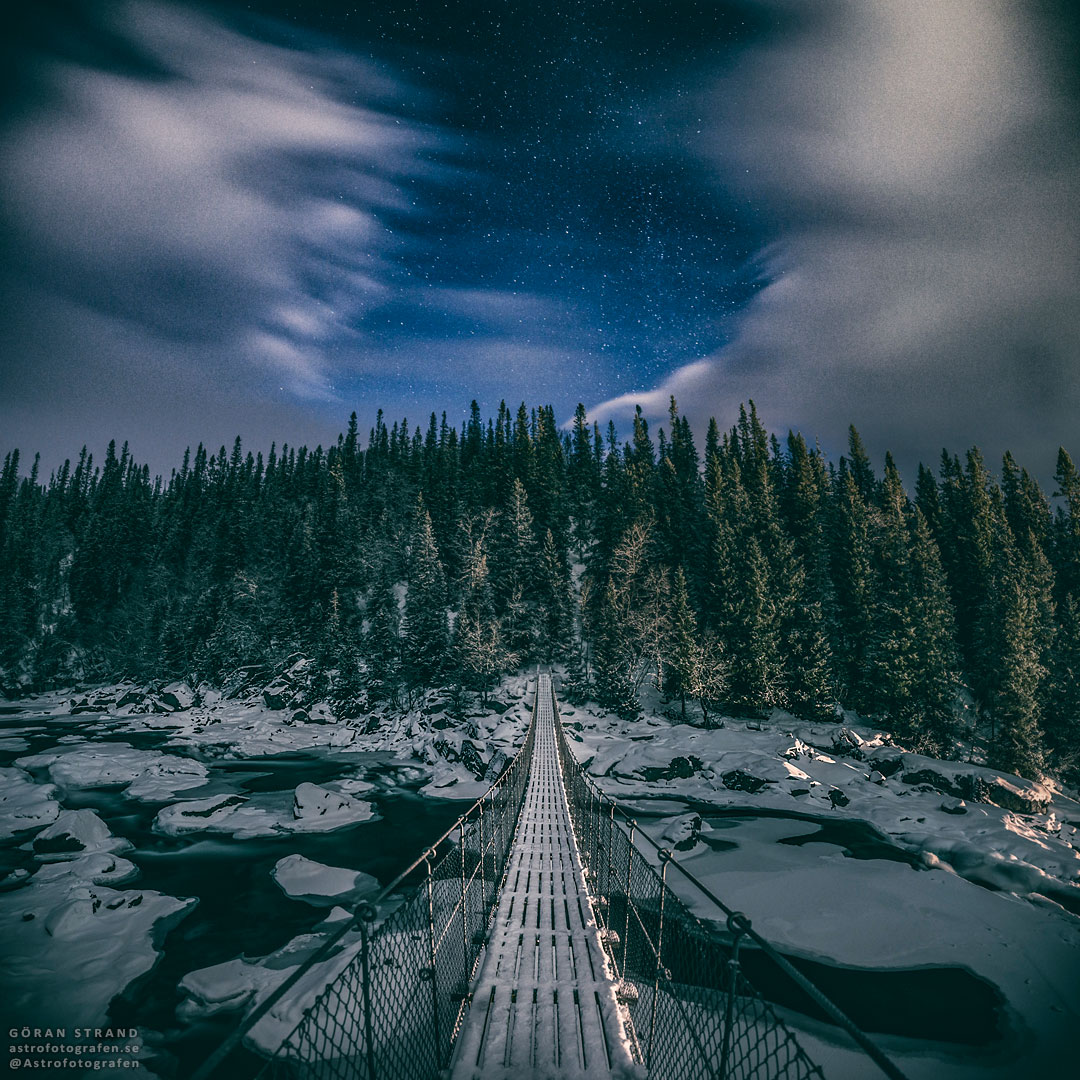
[754, 575]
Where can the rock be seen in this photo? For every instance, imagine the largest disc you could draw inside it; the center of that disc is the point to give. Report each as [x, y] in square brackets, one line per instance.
[496, 765]
[73, 833]
[876, 777]
[277, 695]
[738, 780]
[320, 809]
[15, 880]
[320, 885]
[471, 759]
[934, 780]
[679, 768]
[132, 697]
[301, 716]
[1020, 796]
[683, 833]
[838, 798]
[954, 806]
[846, 742]
[887, 760]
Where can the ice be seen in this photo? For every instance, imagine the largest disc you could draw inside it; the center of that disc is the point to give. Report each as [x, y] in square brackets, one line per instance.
[811, 900]
[320, 885]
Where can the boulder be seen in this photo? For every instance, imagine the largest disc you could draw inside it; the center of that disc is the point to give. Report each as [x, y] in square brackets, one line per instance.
[845, 741]
[738, 780]
[953, 806]
[278, 694]
[177, 696]
[887, 760]
[838, 798]
[471, 758]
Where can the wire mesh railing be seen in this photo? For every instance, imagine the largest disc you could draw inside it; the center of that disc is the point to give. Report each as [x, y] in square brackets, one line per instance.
[393, 1010]
[693, 1015]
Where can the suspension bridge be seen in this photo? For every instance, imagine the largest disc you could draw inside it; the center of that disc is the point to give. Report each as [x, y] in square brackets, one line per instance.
[541, 940]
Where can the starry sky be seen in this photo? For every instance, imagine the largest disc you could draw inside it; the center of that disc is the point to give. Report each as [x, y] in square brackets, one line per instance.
[253, 218]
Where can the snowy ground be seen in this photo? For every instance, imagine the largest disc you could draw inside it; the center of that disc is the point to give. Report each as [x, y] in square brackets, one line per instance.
[991, 881]
[76, 929]
[988, 885]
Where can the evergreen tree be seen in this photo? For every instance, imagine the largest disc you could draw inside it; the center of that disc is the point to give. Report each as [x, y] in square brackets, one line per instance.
[426, 639]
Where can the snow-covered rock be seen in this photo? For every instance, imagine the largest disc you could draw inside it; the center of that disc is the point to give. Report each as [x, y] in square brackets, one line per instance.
[71, 946]
[313, 809]
[147, 775]
[317, 809]
[321, 885]
[72, 941]
[25, 805]
[73, 834]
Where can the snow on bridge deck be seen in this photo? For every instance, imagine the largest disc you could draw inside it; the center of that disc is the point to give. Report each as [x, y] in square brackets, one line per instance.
[544, 1002]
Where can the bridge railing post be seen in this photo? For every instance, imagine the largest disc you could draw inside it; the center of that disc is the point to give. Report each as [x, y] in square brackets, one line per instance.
[729, 1005]
[483, 853]
[608, 867]
[434, 967]
[665, 856]
[626, 921]
[466, 966]
[365, 915]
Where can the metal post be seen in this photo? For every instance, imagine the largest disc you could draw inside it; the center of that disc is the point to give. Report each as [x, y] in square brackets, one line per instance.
[365, 914]
[665, 856]
[626, 924]
[610, 844]
[483, 858]
[729, 1007]
[592, 831]
[431, 953]
[464, 916]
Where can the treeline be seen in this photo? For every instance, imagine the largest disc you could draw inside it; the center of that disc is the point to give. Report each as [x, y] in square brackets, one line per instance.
[754, 575]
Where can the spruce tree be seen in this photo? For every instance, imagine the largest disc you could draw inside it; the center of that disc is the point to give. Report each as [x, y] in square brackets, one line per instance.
[425, 625]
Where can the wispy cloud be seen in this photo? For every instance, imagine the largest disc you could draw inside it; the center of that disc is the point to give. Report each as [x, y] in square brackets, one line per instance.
[922, 161]
[240, 194]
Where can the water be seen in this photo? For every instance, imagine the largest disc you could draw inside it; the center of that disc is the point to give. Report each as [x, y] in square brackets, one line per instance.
[944, 1003]
[241, 911]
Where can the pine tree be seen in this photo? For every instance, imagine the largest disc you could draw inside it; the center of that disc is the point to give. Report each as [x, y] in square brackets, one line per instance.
[425, 625]
[478, 640]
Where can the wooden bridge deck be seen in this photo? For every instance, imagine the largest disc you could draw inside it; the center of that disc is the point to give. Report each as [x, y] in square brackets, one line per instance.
[543, 1003]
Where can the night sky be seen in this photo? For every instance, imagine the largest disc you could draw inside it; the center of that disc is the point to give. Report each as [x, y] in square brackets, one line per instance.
[252, 219]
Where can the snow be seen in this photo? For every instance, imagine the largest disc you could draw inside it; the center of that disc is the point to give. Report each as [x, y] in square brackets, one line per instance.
[320, 885]
[146, 775]
[24, 805]
[313, 809]
[75, 833]
[811, 900]
[317, 809]
[72, 941]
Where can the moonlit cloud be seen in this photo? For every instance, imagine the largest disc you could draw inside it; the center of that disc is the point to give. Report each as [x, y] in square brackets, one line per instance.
[239, 200]
[922, 162]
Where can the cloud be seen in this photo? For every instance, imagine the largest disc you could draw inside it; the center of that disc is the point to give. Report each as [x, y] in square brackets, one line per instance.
[234, 194]
[922, 165]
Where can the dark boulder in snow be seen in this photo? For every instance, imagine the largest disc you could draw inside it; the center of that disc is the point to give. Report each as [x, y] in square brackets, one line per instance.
[887, 760]
[471, 759]
[679, 768]
[738, 780]
[838, 798]
[954, 806]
